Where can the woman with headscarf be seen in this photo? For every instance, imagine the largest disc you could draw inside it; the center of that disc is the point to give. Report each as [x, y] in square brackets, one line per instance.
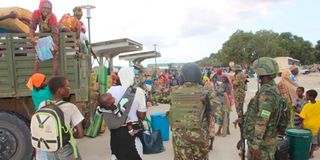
[224, 91]
[40, 90]
[217, 77]
[288, 87]
[47, 22]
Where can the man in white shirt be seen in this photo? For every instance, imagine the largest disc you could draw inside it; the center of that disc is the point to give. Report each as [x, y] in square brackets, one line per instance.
[123, 141]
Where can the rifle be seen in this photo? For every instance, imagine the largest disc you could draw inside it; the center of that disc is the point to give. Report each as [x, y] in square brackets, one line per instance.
[207, 107]
[243, 141]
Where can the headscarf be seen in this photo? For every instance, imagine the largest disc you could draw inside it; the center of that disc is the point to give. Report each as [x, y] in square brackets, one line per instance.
[36, 80]
[126, 77]
[51, 19]
[287, 87]
[293, 67]
[77, 11]
[219, 71]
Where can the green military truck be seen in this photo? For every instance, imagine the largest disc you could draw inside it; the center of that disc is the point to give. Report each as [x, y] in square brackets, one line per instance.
[17, 58]
[17, 65]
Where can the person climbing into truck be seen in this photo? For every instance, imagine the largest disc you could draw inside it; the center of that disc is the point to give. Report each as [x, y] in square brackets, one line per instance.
[47, 22]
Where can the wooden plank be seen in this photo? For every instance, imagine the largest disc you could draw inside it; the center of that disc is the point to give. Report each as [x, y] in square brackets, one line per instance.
[20, 40]
[3, 64]
[19, 45]
[20, 51]
[4, 87]
[69, 50]
[4, 80]
[69, 39]
[4, 41]
[4, 76]
[69, 45]
[5, 94]
[24, 72]
[3, 72]
[24, 58]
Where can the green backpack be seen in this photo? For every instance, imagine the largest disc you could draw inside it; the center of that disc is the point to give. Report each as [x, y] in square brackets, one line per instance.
[186, 109]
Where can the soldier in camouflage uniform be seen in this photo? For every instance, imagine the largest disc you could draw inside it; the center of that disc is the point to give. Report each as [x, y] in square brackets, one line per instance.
[188, 116]
[239, 85]
[260, 124]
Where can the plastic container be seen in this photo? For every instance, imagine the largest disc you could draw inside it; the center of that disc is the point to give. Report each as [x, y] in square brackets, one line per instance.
[299, 141]
[159, 121]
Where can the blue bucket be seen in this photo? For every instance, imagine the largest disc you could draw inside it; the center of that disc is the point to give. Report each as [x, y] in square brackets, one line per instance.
[159, 121]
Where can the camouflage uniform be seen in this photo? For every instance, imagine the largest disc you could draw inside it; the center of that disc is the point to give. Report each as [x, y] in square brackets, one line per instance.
[239, 85]
[261, 123]
[260, 131]
[190, 144]
[190, 138]
[193, 143]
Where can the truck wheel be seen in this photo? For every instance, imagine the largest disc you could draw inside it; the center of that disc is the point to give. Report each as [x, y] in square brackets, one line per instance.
[15, 136]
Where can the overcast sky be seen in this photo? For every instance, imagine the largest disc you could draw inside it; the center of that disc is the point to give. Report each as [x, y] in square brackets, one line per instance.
[188, 30]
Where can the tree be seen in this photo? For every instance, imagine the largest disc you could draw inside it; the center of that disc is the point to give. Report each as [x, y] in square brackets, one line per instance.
[245, 47]
[317, 53]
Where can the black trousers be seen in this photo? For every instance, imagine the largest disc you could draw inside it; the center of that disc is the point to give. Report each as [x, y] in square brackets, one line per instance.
[123, 144]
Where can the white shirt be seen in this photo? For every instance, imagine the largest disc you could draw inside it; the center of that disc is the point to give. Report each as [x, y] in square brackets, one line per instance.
[83, 36]
[138, 104]
[71, 113]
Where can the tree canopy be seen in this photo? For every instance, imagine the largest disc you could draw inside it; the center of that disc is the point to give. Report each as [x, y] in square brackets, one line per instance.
[244, 47]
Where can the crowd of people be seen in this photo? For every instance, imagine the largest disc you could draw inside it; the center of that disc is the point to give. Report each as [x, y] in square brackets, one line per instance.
[207, 97]
[218, 92]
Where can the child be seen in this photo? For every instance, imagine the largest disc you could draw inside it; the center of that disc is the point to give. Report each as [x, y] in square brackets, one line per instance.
[298, 104]
[40, 90]
[60, 89]
[107, 102]
[310, 116]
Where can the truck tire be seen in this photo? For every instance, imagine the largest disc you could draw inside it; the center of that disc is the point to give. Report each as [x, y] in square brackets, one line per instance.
[15, 136]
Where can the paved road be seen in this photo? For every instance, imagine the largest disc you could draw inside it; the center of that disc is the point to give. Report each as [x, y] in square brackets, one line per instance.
[224, 147]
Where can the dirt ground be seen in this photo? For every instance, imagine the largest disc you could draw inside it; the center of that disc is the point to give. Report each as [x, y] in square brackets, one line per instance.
[224, 147]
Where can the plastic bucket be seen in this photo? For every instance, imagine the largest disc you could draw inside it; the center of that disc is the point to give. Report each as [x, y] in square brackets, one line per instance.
[299, 141]
[159, 121]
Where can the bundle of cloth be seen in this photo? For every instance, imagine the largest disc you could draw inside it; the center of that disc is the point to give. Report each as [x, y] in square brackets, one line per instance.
[15, 19]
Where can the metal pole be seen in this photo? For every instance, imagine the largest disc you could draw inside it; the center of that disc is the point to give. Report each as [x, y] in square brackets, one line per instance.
[89, 32]
[155, 59]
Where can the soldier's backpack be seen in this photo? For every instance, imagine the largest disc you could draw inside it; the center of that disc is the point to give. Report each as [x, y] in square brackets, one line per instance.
[48, 130]
[186, 109]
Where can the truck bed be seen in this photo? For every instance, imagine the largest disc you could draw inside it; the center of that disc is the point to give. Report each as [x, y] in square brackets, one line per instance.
[17, 63]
